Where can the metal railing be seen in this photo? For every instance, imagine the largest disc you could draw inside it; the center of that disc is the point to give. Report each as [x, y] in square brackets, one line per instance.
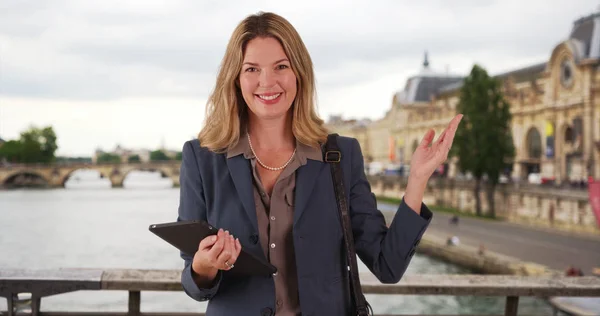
[70, 164]
[42, 283]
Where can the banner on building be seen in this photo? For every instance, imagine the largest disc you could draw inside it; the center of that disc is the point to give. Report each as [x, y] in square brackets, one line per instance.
[549, 140]
[392, 149]
[594, 191]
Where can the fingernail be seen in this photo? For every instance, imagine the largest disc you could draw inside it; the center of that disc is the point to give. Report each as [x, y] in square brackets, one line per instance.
[214, 238]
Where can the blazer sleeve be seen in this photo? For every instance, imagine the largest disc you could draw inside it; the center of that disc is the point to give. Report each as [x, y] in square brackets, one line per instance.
[386, 252]
[192, 206]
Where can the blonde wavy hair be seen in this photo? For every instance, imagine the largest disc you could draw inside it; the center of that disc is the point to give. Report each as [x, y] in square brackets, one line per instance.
[226, 110]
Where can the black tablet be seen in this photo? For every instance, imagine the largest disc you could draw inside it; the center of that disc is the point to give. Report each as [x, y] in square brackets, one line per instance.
[186, 236]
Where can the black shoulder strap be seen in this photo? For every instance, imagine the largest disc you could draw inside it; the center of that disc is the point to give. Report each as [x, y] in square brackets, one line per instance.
[333, 156]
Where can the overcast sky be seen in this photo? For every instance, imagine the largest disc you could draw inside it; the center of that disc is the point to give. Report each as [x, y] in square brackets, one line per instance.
[137, 73]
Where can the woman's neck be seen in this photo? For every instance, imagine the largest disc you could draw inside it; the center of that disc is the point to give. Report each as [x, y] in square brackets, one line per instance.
[271, 134]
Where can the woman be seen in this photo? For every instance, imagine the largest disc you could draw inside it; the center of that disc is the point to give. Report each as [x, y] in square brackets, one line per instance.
[257, 171]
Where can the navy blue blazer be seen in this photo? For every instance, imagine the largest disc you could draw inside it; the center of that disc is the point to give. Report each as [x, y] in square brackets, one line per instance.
[219, 190]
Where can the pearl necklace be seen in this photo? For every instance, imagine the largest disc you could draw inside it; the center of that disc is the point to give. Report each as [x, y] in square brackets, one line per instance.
[265, 166]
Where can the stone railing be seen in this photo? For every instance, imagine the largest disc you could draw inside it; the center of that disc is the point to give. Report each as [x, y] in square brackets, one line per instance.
[42, 283]
[564, 209]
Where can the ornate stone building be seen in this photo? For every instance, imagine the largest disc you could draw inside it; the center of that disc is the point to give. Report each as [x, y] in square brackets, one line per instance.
[555, 107]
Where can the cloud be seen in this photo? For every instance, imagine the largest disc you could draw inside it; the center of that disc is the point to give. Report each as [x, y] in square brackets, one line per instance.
[105, 52]
[110, 49]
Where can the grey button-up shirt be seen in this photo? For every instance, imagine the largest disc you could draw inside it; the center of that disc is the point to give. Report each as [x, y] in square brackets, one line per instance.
[275, 216]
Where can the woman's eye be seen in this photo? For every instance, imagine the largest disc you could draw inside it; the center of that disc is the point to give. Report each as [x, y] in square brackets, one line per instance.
[282, 67]
[251, 69]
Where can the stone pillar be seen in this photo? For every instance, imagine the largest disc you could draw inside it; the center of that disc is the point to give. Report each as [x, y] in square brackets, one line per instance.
[55, 178]
[175, 180]
[588, 133]
[116, 177]
[595, 105]
[117, 181]
[560, 157]
[452, 167]
[516, 172]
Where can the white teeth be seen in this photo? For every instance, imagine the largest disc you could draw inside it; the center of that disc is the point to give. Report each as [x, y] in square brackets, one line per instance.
[269, 97]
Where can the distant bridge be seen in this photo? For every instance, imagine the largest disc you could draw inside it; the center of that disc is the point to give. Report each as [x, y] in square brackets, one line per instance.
[56, 175]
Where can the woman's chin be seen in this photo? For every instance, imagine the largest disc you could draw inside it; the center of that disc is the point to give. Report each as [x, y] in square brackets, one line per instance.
[271, 113]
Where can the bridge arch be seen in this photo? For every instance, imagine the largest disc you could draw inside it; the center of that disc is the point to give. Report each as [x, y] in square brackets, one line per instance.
[26, 177]
[165, 172]
[70, 173]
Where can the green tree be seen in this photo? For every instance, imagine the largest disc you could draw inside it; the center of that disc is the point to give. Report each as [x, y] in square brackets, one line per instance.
[134, 159]
[108, 158]
[34, 145]
[158, 155]
[179, 156]
[11, 151]
[39, 145]
[483, 141]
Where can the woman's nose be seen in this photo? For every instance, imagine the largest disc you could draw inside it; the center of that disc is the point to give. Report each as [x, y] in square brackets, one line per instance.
[267, 78]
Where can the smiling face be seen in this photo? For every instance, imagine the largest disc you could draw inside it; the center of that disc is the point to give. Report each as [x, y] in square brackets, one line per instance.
[267, 81]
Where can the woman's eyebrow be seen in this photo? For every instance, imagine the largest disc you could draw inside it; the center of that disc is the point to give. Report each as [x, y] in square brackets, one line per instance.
[255, 64]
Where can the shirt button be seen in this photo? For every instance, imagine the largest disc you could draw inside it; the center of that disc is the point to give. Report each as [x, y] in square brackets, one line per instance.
[279, 303]
[273, 245]
[263, 194]
[272, 218]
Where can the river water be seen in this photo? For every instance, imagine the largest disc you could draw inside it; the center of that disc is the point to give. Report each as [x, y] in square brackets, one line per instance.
[90, 225]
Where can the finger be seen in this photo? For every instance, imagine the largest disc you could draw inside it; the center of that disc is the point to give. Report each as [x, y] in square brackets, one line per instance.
[427, 138]
[232, 244]
[207, 242]
[217, 247]
[235, 251]
[224, 261]
[238, 246]
[441, 138]
[452, 130]
[225, 254]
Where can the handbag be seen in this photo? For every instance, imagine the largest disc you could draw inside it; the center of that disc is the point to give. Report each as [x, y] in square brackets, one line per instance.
[333, 156]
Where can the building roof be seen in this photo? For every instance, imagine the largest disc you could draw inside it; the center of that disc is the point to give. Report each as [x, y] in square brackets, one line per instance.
[422, 87]
[519, 75]
[525, 73]
[587, 31]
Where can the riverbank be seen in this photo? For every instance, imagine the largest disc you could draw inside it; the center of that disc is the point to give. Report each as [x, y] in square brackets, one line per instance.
[479, 260]
[540, 207]
[435, 244]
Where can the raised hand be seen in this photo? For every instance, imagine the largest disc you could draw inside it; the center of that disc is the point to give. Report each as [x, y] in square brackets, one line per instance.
[427, 158]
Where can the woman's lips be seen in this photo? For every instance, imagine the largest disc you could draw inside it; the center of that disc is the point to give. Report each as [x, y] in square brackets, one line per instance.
[269, 98]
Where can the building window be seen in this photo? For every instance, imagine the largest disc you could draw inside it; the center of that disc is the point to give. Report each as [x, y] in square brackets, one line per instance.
[534, 143]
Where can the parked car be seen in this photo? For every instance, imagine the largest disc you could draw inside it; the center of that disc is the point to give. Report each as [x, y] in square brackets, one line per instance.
[374, 168]
[534, 178]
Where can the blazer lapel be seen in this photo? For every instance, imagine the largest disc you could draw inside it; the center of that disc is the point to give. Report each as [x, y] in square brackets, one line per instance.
[305, 183]
[241, 173]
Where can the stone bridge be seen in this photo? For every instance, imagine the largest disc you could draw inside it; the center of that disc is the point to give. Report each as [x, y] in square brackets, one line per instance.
[56, 175]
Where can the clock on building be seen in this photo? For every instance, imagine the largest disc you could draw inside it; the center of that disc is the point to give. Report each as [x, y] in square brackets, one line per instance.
[566, 73]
